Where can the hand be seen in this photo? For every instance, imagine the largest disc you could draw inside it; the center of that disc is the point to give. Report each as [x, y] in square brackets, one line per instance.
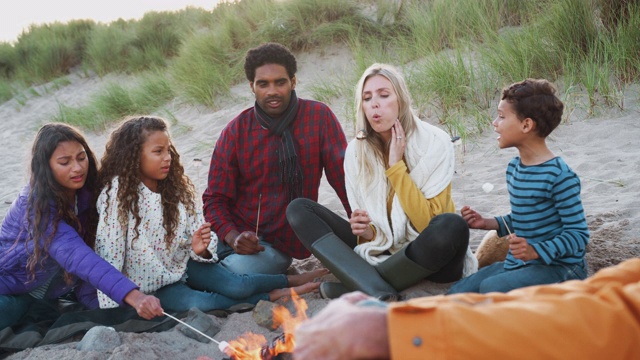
[201, 239]
[146, 306]
[521, 250]
[360, 221]
[247, 243]
[398, 143]
[473, 219]
[343, 330]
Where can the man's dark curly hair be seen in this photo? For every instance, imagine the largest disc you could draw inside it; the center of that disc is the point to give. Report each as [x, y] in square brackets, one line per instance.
[535, 99]
[269, 53]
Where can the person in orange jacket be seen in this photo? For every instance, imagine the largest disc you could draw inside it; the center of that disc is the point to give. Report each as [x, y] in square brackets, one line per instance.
[596, 318]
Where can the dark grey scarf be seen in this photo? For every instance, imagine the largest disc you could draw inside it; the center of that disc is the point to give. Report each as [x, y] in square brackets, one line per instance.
[290, 171]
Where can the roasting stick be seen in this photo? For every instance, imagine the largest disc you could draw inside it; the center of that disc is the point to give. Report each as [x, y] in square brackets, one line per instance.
[222, 345]
[505, 224]
[509, 231]
[258, 220]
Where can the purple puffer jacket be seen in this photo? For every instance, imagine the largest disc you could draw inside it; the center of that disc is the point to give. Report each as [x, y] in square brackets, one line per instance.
[67, 251]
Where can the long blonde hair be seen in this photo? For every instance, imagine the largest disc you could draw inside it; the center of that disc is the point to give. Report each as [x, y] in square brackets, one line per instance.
[373, 143]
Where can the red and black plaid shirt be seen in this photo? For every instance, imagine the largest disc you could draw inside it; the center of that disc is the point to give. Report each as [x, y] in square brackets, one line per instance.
[245, 164]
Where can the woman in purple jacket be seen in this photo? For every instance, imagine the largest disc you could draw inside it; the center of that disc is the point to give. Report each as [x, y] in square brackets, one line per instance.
[47, 235]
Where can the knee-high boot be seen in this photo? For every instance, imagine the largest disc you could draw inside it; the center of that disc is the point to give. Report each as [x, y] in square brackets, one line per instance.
[352, 270]
[402, 272]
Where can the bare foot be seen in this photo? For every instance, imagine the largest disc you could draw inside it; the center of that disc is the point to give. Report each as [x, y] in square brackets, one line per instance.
[300, 279]
[302, 289]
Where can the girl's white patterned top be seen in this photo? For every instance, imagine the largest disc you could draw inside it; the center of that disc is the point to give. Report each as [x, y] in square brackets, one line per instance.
[146, 260]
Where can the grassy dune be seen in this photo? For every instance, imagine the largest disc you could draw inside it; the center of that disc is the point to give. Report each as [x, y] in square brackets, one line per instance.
[456, 54]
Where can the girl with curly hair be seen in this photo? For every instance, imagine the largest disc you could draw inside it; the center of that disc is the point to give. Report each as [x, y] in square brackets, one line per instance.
[150, 225]
[46, 237]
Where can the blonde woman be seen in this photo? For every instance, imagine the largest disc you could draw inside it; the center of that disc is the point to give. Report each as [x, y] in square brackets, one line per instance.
[398, 174]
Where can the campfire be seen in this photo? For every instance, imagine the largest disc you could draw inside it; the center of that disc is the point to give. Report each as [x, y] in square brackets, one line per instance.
[256, 347]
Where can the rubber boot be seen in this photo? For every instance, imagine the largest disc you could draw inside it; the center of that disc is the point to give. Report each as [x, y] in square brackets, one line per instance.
[352, 270]
[402, 272]
[332, 290]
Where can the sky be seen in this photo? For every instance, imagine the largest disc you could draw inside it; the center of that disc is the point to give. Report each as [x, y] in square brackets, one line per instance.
[17, 15]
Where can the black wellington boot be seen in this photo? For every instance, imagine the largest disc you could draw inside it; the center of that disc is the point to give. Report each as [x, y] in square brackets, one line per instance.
[352, 270]
[402, 272]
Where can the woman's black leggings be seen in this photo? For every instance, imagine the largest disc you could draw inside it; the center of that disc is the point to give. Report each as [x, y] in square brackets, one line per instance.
[441, 247]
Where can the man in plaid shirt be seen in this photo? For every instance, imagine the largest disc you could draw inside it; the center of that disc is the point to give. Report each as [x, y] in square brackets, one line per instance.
[267, 156]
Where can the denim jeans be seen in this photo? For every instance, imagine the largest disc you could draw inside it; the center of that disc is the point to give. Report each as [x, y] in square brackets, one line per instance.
[496, 278]
[13, 308]
[269, 261]
[212, 286]
[213, 277]
[180, 297]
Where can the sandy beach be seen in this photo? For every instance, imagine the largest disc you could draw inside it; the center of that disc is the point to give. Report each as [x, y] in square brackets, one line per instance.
[600, 147]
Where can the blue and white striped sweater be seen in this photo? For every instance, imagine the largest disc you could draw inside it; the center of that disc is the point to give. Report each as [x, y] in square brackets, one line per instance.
[547, 211]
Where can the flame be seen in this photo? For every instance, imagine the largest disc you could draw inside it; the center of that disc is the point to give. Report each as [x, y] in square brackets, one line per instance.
[250, 346]
[247, 347]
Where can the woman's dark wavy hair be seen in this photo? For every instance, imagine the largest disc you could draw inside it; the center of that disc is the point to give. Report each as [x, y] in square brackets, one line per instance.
[535, 99]
[122, 158]
[47, 203]
[269, 53]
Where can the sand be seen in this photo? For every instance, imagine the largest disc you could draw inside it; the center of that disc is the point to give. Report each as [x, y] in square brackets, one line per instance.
[601, 147]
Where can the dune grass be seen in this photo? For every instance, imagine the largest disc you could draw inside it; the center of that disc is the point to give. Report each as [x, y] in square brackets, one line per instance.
[107, 50]
[622, 43]
[204, 69]
[49, 51]
[8, 61]
[6, 90]
[457, 54]
[116, 101]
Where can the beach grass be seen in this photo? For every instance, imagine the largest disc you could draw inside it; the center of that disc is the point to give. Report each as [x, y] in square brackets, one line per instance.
[6, 90]
[204, 69]
[107, 50]
[8, 61]
[48, 51]
[467, 50]
[115, 102]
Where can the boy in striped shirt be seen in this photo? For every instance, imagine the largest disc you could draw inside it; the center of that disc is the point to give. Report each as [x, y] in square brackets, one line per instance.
[547, 227]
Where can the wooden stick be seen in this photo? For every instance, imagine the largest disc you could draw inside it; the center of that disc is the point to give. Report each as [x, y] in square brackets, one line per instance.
[192, 328]
[505, 224]
[258, 220]
[222, 345]
[509, 231]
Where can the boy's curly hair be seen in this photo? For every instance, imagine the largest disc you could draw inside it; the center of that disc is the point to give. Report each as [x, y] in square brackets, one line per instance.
[122, 158]
[535, 99]
[269, 53]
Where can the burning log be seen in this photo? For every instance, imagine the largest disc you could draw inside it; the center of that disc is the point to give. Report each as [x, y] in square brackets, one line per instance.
[269, 351]
[255, 347]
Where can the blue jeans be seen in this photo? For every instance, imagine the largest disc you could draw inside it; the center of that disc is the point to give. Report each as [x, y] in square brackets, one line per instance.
[212, 286]
[496, 278]
[180, 297]
[269, 261]
[13, 308]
